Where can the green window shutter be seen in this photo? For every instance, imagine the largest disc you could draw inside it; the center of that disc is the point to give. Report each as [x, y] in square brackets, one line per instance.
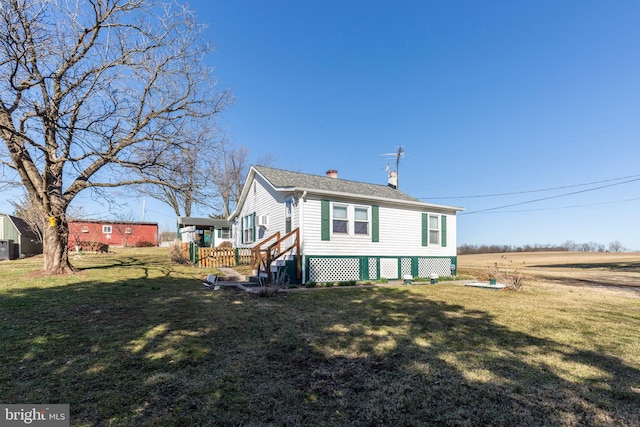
[219, 233]
[242, 229]
[325, 220]
[425, 229]
[443, 241]
[375, 223]
[253, 220]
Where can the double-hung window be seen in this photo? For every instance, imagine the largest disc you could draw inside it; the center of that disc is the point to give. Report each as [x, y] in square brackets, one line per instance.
[340, 219]
[106, 229]
[225, 233]
[288, 205]
[248, 227]
[434, 229]
[353, 221]
[361, 220]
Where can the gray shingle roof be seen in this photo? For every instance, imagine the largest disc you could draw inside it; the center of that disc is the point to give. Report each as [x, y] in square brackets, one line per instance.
[206, 222]
[22, 226]
[282, 179]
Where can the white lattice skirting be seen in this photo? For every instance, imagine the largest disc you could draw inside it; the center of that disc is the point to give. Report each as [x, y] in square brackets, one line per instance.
[334, 269]
[439, 266]
[330, 269]
[373, 268]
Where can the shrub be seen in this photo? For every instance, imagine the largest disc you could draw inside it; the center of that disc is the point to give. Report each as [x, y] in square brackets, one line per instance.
[511, 276]
[347, 283]
[177, 255]
[310, 284]
[96, 247]
[383, 280]
[144, 244]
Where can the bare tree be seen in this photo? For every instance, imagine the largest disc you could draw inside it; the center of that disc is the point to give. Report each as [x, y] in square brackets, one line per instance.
[25, 210]
[616, 246]
[92, 94]
[228, 175]
[188, 172]
[123, 227]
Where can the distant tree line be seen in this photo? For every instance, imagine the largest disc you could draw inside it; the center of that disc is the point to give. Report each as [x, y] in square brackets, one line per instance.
[568, 246]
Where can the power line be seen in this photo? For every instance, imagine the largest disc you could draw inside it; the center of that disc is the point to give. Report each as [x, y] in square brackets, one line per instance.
[548, 198]
[565, 207]
[544, 149]
[530, 191]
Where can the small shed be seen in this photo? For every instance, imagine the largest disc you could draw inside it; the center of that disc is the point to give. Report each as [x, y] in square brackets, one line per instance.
[206, 232]
[25, 241]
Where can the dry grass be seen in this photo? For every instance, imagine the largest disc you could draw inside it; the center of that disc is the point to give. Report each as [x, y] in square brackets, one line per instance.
[136, 340]
[599, 270]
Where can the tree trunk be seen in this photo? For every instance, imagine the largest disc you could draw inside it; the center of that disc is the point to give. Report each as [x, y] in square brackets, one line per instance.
[55, 246]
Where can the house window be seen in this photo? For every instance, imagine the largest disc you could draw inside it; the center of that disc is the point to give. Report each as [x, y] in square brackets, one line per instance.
[225, 233]
[106, 229]
[85, 229]
[340, 219]
[288, 204]
[248, 223]
[434, 229]
[128, 230]
[361, 221]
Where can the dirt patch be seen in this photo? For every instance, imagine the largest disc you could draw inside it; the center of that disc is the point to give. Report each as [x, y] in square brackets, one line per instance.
[597, 270]
[41, 273]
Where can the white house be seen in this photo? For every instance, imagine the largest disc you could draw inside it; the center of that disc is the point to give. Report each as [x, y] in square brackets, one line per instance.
[343, 230]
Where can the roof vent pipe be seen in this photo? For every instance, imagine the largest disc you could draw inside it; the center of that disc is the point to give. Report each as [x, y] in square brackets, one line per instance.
[332, 173]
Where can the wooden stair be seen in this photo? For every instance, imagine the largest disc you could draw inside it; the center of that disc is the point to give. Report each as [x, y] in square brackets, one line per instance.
[272, 250]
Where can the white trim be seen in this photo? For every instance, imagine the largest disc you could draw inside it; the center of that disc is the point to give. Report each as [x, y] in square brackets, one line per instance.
[347, 218]
[396, 202]
[438, 228]
[301, 203]
[367, 209]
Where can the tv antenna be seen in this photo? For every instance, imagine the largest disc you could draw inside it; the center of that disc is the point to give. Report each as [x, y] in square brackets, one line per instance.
[398, 155]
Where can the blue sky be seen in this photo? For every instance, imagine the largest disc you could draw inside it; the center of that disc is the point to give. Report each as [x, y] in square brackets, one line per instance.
[485, 97]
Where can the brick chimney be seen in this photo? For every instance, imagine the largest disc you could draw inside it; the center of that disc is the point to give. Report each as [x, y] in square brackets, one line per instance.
[332, 173]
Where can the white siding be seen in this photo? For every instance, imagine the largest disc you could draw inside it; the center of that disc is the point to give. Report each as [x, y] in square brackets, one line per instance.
[400, 229]
[400, 233]
[264, 201]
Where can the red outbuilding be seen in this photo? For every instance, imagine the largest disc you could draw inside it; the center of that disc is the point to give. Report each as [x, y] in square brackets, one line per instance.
[90, 234]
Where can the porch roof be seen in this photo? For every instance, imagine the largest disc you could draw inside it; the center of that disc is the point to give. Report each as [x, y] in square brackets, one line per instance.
[186, 221]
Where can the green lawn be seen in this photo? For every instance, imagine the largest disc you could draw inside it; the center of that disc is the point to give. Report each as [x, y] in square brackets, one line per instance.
[135, 340]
